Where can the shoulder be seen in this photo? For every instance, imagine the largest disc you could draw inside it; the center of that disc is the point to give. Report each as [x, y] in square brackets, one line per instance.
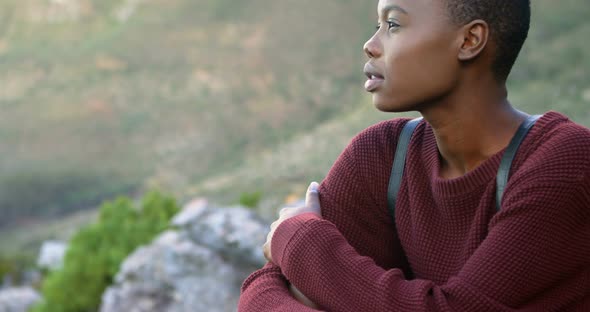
[379, 138]
[553, 173]
[558, 152]
[369, 154]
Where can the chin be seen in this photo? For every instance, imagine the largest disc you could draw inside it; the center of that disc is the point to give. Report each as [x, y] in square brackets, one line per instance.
[391, 105]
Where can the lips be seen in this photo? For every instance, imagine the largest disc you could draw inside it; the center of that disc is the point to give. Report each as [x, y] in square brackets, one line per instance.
[375, 80]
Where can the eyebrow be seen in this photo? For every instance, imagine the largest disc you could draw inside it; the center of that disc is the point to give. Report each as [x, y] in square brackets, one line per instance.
[393, 7]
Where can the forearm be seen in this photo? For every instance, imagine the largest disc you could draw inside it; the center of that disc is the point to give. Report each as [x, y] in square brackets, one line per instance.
[268, 290]
[317, 258]
[351, 283]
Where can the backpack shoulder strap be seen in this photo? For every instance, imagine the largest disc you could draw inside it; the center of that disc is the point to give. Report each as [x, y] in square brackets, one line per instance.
[508, 157]
[399, 161]
[403, 143]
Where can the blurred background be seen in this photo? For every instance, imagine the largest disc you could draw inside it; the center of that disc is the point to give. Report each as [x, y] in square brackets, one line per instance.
[239, 102]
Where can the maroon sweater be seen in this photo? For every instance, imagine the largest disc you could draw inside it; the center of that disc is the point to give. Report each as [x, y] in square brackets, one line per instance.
[451, 250]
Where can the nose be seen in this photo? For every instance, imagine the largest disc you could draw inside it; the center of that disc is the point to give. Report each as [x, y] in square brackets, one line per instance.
[372, 47]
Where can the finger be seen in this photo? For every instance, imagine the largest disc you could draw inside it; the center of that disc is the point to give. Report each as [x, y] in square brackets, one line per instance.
[312, 198]
[266, 251]
[284, 210]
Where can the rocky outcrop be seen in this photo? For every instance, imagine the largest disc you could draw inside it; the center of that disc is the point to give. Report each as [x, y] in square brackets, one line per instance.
[198, 266]
[18, 299]
[51, 255]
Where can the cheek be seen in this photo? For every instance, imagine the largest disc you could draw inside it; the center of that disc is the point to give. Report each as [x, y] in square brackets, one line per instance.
[419, 69]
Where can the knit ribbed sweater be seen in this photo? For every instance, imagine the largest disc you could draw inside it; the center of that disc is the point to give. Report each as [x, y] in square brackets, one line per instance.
[448, 250]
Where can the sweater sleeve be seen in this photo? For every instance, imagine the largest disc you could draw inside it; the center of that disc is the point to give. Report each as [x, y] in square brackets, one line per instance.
[537, 250]
[268, 290]
[340, 196]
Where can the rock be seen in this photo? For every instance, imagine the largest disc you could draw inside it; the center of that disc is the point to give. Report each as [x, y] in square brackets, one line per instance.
[191, 212]
[127, 10]
[173, 274]
[18, 299]
[51, 255]
[6, 282]
[31, 277]
[198, 266]
[237, 234]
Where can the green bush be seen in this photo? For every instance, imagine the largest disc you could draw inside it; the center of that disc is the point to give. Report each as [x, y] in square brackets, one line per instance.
[96, 252]
[250, 200]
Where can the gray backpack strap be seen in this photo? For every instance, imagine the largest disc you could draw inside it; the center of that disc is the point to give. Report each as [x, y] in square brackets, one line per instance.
[399, 161]
[508, 157]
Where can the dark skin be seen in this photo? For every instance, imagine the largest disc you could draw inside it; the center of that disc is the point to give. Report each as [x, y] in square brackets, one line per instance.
[419, 60]
[444, 71]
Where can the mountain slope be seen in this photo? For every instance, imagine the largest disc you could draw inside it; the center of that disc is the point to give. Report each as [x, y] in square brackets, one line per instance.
[211, 97]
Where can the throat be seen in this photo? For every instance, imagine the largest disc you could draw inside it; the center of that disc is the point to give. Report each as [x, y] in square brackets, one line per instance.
[465, 142]
[448, 171]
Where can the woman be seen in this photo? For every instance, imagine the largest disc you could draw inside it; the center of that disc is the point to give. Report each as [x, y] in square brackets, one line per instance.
[447, 249]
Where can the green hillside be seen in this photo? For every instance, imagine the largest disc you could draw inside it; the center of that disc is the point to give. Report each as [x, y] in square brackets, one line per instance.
[553, 73]
[210, 97]
[94, 105]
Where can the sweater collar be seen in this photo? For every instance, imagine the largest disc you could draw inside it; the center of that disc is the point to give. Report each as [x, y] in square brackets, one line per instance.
[483, 174]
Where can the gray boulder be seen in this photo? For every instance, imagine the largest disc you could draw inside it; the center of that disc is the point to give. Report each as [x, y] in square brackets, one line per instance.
[237, 234]
[51, 255]
[18, 299]
[198, 266]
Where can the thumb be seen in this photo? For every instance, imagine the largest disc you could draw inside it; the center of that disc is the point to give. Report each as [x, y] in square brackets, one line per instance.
[312, 198]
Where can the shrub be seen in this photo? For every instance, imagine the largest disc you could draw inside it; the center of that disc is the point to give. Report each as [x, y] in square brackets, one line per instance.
[250, 200]
[96, 252]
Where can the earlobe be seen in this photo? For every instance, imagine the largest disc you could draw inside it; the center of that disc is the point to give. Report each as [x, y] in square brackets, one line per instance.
[475, 38]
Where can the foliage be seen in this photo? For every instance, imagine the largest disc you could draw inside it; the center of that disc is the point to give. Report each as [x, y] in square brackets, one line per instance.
[94, 91]
[96, 252]
[250, 200]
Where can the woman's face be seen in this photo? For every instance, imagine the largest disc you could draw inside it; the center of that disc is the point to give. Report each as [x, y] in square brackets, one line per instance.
[412, 55]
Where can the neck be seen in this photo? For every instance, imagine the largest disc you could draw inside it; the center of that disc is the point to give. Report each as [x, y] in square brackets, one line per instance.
[471, 124]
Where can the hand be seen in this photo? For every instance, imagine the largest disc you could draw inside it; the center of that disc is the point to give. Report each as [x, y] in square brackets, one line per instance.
[312, 204]
[301, 297]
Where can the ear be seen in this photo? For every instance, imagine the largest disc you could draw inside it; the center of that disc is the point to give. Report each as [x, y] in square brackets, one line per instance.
[474, 39]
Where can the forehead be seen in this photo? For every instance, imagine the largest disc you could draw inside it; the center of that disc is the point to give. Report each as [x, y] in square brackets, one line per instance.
[411, 7]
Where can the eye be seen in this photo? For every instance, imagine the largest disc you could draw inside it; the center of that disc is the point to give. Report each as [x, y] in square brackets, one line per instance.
[392, 24]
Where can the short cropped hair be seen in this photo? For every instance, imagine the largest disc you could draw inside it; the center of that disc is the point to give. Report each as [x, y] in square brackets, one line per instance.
[509, 22]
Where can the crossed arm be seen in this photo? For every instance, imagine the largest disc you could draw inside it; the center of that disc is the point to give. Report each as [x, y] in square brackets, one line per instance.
[275, 290]
[536, 257]
[269, 290]
[520, 255]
